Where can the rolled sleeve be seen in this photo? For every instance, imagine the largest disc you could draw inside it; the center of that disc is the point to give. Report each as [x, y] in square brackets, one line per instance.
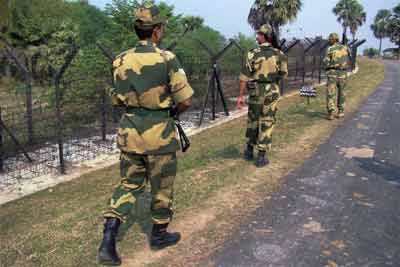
[121, 87]
[182, 94]
[246, 71]
[283, 72]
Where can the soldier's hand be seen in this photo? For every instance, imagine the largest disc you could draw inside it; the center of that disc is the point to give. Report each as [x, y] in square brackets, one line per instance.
[240, 102]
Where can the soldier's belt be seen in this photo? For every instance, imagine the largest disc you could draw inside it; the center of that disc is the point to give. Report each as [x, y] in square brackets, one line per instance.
[139, 111]
[267, 82]
[336, 69]
[251, 85]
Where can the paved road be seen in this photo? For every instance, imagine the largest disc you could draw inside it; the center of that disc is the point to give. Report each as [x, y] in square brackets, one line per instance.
[342, 207]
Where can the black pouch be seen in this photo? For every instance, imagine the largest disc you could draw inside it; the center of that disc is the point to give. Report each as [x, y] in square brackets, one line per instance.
[252, 87]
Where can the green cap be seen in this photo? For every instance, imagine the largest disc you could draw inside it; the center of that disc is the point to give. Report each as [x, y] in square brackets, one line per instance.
[147, 16]
[334, 36]
[265, 29]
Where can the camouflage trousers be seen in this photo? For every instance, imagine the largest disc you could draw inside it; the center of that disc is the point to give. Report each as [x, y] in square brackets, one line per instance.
[336, 94]
[136, 171]
[262, 117]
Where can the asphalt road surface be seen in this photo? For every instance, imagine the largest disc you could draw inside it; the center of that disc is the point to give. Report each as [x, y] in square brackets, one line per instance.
[342, 207]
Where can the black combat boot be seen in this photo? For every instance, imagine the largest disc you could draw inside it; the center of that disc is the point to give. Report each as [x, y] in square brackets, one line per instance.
[262, 159]
[248, 153]
[160, 238]
[107, 252]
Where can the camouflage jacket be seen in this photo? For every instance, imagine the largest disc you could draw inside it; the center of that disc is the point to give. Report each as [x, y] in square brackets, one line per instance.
[336, 60]
[264, 64]
[148, 82]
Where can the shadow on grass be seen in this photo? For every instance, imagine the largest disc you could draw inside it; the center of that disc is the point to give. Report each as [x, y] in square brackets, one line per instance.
[229, 152]
[313, 114]
[386, 170]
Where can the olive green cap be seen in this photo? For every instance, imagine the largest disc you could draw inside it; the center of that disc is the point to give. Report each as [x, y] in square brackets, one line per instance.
[265, 29]
[334, 36]
[147, 16]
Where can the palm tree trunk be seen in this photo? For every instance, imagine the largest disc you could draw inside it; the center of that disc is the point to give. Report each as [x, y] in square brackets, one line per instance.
[344, 37]
[380, 47]
[278, 33]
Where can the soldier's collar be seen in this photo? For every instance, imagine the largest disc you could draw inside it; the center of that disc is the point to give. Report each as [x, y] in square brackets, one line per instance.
[146, 43]
[266, 44]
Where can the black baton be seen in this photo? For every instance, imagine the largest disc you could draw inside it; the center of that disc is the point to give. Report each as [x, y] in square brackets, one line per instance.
[185, 142]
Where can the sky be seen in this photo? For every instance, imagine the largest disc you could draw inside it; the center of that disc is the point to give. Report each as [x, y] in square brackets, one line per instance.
[316, 18]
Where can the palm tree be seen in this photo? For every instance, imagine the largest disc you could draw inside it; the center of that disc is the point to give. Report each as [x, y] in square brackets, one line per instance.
[394, 28]
[380, 26]
[192, 23]
[357, 19]
[274, 12]
[351, 15]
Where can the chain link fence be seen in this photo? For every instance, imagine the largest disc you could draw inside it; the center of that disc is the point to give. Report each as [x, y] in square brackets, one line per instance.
[46, 137]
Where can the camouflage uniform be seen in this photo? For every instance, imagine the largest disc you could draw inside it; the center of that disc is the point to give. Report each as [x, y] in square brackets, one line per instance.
[336, 64]
[148, 82]
[267, 66]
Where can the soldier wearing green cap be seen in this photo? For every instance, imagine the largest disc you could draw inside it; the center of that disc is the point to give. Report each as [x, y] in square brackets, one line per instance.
[262, 71]
[152, 86]
[336, 64]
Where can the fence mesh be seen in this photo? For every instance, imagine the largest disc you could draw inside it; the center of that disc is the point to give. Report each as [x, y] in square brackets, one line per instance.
[87, 128]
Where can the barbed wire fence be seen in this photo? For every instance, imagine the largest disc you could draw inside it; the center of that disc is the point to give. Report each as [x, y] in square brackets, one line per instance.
[40, 138]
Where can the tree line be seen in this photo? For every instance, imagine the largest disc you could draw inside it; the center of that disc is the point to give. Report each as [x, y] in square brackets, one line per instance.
[387, 25]
[42, 33]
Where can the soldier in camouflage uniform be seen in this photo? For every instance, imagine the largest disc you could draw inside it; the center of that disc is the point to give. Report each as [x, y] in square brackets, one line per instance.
[336, 64]
[151, 85]
[262, 71]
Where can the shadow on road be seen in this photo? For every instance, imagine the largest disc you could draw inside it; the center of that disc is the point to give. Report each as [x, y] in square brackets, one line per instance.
[386, 170]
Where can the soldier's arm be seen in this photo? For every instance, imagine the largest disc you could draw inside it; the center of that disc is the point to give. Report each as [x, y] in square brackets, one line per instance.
[118, 93]
[181, 90]
[243, 79]
[183, 106]
[350, 55]
[326, 59]
[283, 69]
[246, 70]
[242, 87]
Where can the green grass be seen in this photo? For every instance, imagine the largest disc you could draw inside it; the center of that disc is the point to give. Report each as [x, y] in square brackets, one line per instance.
[62, 226]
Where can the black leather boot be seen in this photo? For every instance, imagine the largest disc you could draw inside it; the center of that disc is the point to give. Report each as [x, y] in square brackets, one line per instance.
[107, 252]
[248, 153]
[262, 159]
[160, 238]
